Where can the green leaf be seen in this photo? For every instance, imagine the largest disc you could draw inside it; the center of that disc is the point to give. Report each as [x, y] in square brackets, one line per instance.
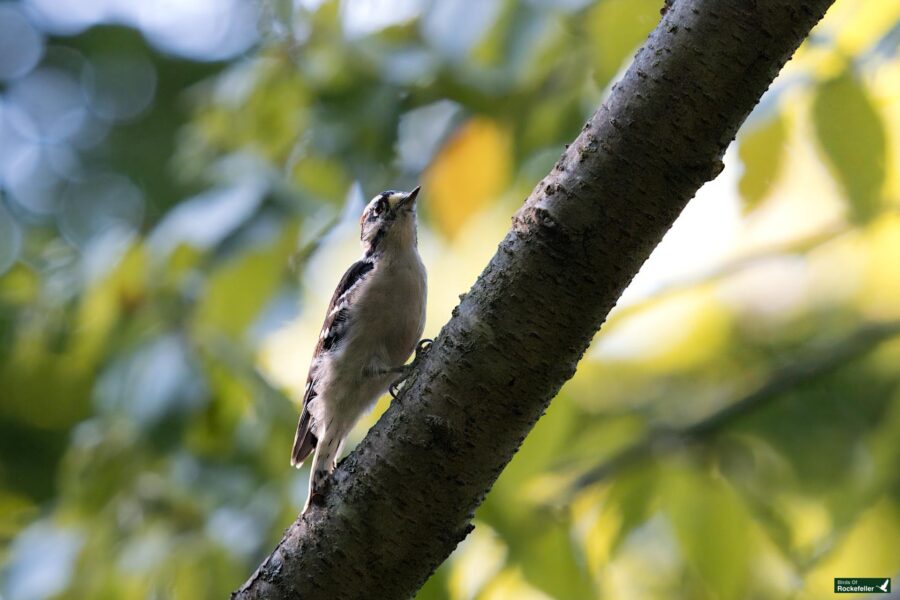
[713, 529]
[539, 540]
[552, 562]
[632, 493]
[615, 29]
[852, 136]
[238, 290]
[761, 150]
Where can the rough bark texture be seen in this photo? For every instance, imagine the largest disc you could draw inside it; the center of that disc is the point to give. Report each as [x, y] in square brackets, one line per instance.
[404, 499]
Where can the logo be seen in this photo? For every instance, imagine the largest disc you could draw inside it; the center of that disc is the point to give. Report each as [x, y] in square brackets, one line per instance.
[862, 585]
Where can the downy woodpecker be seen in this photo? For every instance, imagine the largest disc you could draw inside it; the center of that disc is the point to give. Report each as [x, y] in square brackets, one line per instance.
[375, 318]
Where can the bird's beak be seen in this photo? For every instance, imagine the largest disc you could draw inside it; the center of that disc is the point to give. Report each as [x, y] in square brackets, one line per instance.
[410, 198]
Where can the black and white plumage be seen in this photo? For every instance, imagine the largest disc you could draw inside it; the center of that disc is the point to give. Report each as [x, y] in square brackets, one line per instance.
[375, 319]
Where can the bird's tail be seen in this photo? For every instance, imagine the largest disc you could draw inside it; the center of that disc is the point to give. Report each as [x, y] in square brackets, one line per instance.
[304, 440]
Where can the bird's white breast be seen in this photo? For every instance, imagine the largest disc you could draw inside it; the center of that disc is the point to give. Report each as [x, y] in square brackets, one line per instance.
[391, 308]
[385, 323]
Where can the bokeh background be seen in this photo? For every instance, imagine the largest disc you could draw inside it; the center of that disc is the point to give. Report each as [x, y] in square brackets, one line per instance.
[181, 182]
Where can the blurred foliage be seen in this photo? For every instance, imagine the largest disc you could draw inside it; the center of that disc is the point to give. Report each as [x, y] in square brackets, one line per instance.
[762, 153]
[841, 106]
[172, 225]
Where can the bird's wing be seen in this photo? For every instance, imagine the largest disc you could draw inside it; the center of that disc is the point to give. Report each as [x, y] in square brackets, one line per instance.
[333, 330]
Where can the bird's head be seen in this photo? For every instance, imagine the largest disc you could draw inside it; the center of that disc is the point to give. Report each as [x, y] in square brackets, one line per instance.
[389, 221]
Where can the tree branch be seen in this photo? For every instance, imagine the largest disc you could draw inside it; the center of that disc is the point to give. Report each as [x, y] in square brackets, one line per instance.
[793, 247]
[734, 266]
[404, 499]
[660, 440]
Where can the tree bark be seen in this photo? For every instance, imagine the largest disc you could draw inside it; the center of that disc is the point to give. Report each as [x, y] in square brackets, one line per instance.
[401, 502]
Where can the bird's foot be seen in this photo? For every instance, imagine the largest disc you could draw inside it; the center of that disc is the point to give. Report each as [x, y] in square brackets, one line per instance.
[319, 486]
[422, 349]
[396, 386]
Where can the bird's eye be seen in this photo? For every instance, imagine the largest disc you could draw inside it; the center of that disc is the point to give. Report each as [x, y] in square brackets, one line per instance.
[379, 207]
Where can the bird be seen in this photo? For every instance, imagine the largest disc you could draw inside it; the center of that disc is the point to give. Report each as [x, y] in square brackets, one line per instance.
[373, 324]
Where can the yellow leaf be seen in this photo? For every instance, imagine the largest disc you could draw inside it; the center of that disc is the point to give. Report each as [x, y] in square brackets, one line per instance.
[870, 549]
[471, 169]
[480, 558]
[880, 292]
[761, 149]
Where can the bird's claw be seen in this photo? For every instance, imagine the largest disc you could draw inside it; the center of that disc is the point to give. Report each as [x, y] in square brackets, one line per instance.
[317, 494]
[422, 349]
